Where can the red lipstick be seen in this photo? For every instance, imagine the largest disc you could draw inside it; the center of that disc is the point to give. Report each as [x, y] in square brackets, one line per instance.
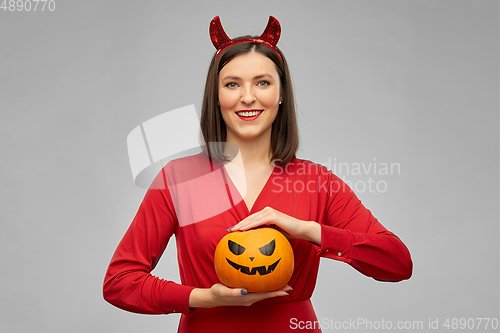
[249, 118]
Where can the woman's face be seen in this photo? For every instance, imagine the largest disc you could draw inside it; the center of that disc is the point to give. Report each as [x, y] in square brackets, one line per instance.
[249, 96]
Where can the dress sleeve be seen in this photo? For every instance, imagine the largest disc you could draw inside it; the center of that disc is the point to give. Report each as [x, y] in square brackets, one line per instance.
[128, 282]
[350, 233]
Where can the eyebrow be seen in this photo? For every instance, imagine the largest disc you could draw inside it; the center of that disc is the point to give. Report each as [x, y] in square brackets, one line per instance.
[237, 78]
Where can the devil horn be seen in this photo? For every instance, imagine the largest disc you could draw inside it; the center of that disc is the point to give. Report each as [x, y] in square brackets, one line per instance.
[272, 32]
[217, 34]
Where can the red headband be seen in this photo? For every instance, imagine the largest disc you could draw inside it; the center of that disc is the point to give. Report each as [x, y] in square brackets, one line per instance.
[269, 37]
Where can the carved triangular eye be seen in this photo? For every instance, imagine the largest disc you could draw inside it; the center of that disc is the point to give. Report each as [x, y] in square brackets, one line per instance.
[268, 249]
[236, 248]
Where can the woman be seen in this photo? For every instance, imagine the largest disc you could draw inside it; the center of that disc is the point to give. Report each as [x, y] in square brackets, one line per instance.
[248, 102]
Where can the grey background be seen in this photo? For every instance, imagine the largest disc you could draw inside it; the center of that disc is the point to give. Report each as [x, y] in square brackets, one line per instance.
[408, 82]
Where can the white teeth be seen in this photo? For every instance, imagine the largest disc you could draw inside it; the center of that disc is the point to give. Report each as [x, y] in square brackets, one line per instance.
[248, 114]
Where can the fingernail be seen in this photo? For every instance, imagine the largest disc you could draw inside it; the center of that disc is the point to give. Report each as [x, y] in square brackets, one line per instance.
[289, 289]
[228, 229]
[286, 295]
[244, 291]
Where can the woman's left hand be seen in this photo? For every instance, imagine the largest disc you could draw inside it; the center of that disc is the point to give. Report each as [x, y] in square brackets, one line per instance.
[290, 226]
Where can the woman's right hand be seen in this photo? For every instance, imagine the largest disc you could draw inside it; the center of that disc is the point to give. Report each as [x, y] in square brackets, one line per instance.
[220, 295]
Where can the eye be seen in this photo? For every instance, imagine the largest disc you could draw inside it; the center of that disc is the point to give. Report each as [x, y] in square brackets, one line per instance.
[231, 85]
[268, 249]
[263, 83]
[236, 248]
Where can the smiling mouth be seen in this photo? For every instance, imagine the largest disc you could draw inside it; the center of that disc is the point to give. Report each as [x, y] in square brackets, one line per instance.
[261, 269]
[249, 113]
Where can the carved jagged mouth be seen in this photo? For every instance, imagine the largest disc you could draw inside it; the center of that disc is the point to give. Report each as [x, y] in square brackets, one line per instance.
[261, 269]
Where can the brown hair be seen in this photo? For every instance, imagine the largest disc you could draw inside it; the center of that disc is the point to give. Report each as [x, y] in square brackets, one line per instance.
[284, 132]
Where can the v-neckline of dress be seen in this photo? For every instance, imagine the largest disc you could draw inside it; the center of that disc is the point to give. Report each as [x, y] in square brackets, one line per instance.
[249, 211]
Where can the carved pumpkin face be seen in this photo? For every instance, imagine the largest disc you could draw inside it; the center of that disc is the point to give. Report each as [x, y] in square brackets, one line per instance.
[257, 260]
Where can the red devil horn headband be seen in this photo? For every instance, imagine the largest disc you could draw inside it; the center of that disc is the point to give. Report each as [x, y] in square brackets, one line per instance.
[269, 37]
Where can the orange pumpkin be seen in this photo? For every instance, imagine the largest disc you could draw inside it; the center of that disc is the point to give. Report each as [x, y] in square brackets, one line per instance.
[257, 260]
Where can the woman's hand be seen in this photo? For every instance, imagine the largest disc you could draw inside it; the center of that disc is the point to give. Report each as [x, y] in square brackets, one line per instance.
[220, 295]
[290, 226]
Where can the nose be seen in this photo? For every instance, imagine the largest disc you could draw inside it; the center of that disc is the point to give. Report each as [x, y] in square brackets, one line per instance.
[247, 96]
[251, 258]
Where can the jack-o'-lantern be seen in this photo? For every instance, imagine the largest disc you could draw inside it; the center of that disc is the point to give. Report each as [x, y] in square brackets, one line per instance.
[257, 260]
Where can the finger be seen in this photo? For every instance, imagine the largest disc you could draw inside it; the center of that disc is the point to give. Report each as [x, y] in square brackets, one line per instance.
[238, 225]
[230, 292]
[259, 296]
[263, 295]
[260, 218]
[253, 224]
[246, 221]
[238, 292]
[286, 288]
[277, 293]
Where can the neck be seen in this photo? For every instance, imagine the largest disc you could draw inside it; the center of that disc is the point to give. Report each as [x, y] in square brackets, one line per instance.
[254, 152]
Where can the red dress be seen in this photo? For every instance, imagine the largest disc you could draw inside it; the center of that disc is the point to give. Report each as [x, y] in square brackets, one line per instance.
[302, 189]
